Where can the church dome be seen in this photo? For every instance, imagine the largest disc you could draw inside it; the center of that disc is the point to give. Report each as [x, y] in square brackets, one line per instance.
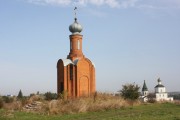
[75, 28]
[159, 83]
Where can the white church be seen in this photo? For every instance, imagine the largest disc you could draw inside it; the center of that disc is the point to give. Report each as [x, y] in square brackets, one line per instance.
[160, 92]
[145, 92]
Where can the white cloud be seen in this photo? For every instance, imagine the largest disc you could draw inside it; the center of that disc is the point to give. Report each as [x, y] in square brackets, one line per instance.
[111, 3]
[97, 2]
[51, 2]
[149, 4]
[128, 3]
[159, 4]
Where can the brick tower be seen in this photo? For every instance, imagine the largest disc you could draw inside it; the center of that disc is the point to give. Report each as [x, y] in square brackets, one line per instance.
[76, 74]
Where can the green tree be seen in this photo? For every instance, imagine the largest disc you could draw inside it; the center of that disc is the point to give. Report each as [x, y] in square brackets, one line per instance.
[130, 91]
[8, 99]
[50, 96]
[20, 95]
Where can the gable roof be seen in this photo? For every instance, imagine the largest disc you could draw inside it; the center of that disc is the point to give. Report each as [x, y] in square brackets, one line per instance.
[67, 62]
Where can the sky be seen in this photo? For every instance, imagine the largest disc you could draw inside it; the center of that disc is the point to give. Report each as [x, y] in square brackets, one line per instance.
[128, 40]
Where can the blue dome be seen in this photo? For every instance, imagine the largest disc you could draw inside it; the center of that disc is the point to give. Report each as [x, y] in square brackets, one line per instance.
[75, 28]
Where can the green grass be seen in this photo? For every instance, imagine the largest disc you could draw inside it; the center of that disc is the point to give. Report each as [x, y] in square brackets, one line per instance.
[164, 111]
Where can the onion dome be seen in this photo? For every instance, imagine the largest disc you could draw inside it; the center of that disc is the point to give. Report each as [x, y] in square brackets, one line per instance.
[75, 28]
[159, 80]
[159, 83]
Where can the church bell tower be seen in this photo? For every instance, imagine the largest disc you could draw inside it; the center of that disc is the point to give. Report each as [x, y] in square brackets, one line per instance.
[76, 73]
[75, 41]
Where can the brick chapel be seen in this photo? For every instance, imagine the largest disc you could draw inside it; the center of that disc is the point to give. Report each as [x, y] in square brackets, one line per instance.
[76, 73]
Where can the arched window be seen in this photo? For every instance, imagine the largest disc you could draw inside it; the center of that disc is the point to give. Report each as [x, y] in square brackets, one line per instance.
[78, 45]
[71, 45]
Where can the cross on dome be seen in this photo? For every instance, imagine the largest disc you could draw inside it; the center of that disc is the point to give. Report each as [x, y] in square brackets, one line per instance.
[75, 28]
[75, 12]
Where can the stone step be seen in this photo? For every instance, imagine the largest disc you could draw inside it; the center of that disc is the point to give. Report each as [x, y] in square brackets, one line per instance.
[33, 106]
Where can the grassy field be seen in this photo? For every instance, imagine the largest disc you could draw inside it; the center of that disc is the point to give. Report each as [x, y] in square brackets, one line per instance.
[163, 111]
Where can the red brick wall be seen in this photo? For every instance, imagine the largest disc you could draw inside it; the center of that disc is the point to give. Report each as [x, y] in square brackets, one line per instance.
[78, 79]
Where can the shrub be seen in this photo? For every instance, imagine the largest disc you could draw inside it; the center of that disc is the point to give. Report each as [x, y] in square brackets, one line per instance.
[151, 98]
[50, 96]
[8, 99]
[63, 95]
[32, 94]
[24, 101]
[36, 98]
[130, 91]
[16, 105]
[1, 103]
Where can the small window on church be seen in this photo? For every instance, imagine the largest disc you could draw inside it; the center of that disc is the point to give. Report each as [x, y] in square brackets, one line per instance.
[71, 72]
[78, 44]
[71, 45]
[61, 87]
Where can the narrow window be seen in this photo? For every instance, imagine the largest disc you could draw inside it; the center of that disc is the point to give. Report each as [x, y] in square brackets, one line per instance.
[61, 87]
[78, 45]
[71, 72]
[71, 45]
